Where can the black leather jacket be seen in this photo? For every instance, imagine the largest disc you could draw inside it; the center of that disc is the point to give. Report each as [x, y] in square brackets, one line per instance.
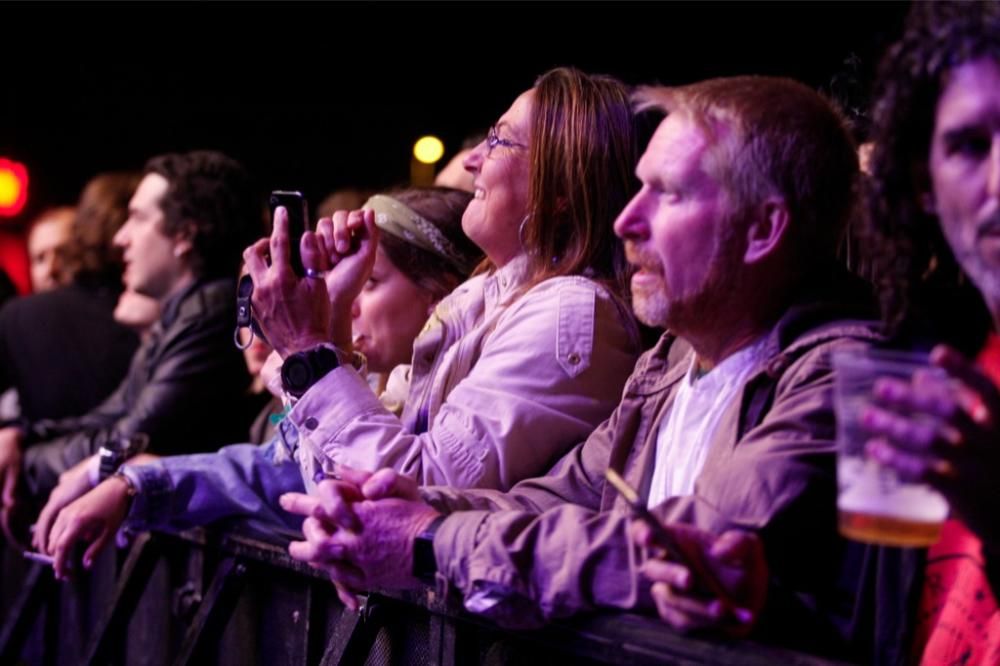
[62, 349]
[184, 389]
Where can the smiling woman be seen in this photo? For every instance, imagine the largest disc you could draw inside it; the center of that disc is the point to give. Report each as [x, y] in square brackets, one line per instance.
[523, 360]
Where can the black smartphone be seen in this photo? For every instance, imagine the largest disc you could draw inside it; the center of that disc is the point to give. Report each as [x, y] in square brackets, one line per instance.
[705, 582]
[298, 222]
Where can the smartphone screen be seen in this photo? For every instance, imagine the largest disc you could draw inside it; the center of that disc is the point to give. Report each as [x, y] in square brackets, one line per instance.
[298, 222]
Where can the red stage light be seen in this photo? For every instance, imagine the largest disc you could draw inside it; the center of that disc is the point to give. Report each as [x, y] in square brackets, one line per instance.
[13, 187]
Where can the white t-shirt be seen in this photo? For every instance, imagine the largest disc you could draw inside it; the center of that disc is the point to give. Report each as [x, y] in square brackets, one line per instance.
[685, 434]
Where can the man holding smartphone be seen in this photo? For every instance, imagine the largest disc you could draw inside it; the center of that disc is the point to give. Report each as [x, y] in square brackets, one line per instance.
[189, 219]
[726, 425]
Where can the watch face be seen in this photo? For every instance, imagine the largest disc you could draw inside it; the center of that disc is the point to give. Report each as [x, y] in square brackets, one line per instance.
[297, 373]
[303, 369]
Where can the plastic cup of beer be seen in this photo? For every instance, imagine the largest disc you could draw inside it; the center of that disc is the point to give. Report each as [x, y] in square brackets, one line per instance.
[873, 505]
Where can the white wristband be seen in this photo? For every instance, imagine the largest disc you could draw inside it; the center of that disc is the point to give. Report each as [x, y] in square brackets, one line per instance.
[94, 470]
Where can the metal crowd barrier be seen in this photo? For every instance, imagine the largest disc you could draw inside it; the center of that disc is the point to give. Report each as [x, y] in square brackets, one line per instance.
[226, 597]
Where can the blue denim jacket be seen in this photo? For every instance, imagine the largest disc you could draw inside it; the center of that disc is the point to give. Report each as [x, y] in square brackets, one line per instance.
[237, 481]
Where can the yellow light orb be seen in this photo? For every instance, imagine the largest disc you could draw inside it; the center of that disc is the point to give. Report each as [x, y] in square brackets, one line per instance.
[10, 187]
[428, 149]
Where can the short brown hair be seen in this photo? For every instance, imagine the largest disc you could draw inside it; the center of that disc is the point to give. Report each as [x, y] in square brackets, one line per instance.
[786, 140]
[213, 195]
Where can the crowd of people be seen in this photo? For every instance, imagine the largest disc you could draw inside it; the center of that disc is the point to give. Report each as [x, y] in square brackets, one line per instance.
[437, 397]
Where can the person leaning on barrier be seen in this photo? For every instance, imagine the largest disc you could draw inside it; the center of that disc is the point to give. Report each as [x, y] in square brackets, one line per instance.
[188, 220]
[726, 426]
[519, 362]
[935, 213]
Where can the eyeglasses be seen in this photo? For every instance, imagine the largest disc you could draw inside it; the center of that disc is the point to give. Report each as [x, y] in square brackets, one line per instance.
[493, 140]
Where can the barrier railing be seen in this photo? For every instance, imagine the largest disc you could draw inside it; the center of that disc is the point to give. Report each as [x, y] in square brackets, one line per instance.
[230, 598]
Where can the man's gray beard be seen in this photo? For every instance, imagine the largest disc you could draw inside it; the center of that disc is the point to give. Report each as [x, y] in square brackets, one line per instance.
[678, 314]
[651, 308]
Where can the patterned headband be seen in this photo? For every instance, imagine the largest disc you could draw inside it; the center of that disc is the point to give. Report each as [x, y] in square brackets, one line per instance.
[398, 219]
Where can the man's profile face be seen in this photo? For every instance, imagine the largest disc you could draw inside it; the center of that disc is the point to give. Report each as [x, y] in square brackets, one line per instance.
[45, 240]
[965, 170]
[152, 264]
[674, 228]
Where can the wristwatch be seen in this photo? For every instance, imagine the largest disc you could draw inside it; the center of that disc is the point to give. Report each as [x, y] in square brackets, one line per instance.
[116, 451]
[424, 562]
[303, 369]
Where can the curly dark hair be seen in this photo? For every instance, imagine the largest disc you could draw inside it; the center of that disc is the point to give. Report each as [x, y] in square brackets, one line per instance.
[915, 269]
[214, 196]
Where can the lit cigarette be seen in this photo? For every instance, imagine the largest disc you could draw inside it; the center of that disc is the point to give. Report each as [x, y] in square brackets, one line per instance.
[39, 557]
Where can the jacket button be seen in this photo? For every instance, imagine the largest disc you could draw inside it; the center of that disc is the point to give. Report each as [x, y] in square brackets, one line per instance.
[311, 423]
[573, 358]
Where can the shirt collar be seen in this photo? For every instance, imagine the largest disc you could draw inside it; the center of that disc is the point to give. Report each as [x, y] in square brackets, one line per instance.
[732, 367]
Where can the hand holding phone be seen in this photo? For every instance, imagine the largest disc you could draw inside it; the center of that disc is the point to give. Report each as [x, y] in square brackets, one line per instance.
[686, 552]
[298, 223]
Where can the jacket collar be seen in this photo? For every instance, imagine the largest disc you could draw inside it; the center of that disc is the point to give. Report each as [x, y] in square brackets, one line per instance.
[840, 306]
[172, 306]
[201, 294]
[501, 284]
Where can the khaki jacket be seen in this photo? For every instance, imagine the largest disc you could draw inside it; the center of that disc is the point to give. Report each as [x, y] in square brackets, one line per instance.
[557, 545]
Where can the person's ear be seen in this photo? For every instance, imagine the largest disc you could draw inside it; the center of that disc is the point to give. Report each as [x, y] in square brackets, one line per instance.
[184, 240]
[767, 230]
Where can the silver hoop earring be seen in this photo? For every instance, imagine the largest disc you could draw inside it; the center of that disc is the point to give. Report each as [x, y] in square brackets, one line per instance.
[520, 231]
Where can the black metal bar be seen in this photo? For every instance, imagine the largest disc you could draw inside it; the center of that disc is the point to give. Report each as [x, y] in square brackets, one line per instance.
[418, 624]
[110, 631]
[353, 634]
[24, 611]
[442, 641]
[215, 608]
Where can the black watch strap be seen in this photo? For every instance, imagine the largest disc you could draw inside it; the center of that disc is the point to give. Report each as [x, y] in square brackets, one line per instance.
[424, 562]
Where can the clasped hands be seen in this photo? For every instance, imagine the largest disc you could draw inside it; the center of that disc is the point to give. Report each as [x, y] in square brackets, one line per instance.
[360, 530]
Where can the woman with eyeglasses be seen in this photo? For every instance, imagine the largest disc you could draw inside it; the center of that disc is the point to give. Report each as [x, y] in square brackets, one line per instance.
[522, 361]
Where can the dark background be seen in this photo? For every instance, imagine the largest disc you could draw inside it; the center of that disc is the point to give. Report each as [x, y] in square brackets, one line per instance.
[318, 96]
